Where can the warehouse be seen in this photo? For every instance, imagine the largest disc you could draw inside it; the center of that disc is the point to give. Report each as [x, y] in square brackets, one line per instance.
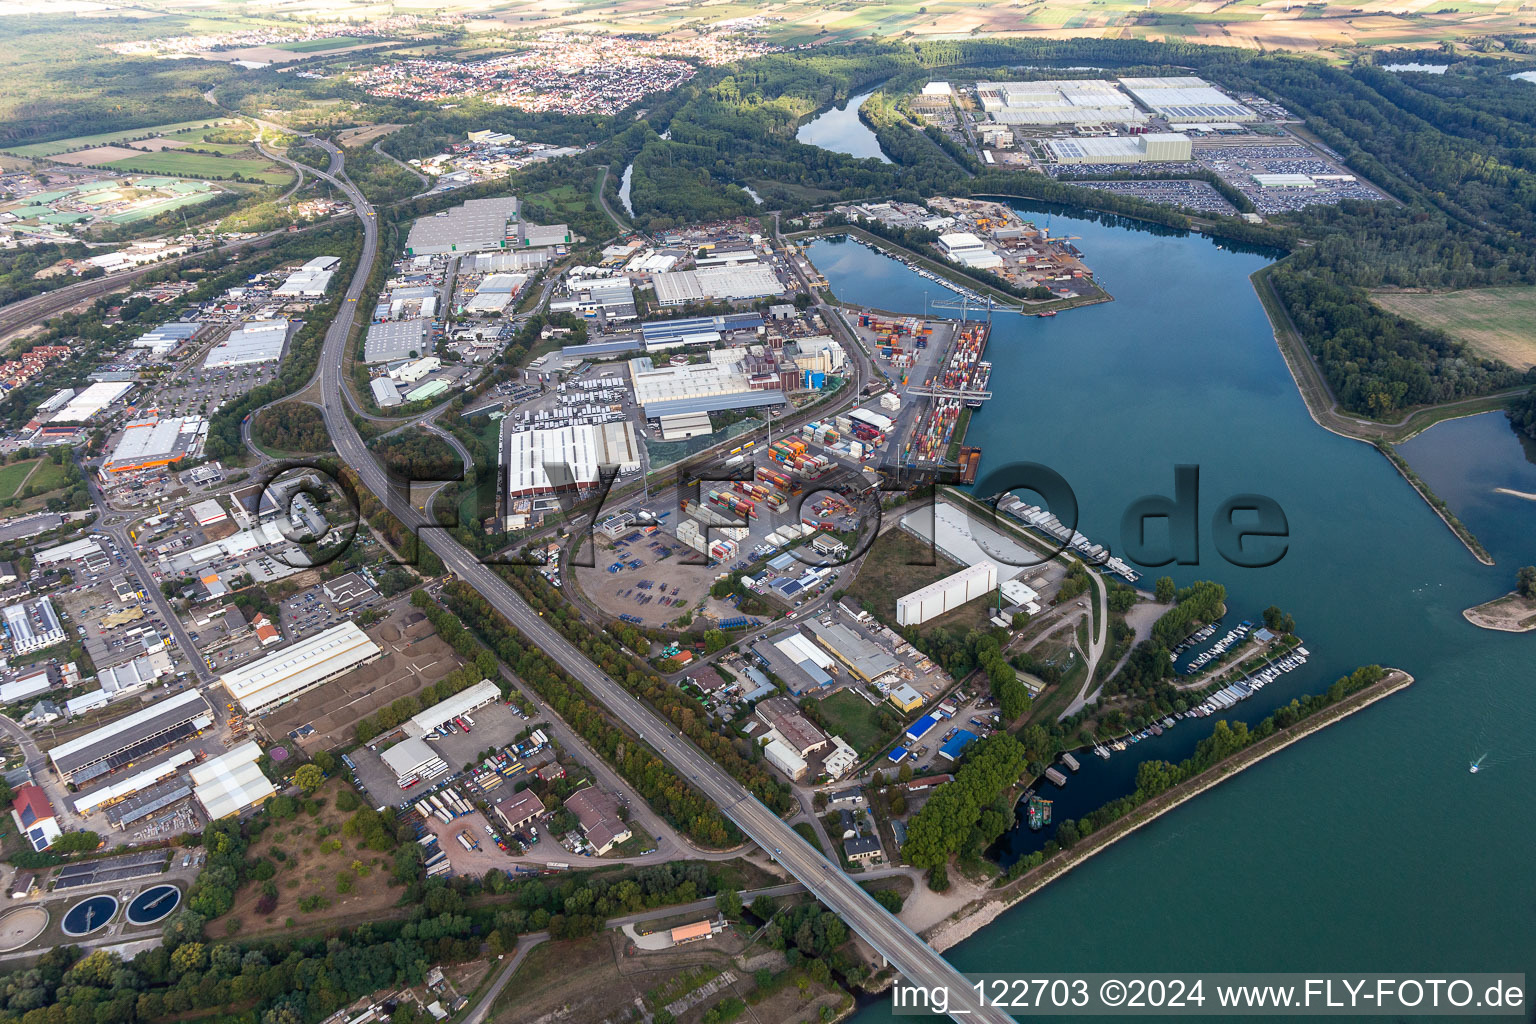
[1186, 99]
[28, 684]
[956, 744]
[568, 458]
[462, 703]
[230, 783]
[163, 340]
[664, 333]
[1284, 181]
[790, 725]
[397, 339]
[695, 387]
[259, 341]
[965, 248]
[131, 738]
[311, 280]
[783, 757]
[731, 283]
[536, 236]
[208, 512]
[103, 796]
[495, 293]
[385, 392]
[153, 441]
[32, 625]
[1120, 149]
[92, 401]
[279, 677]
[413, 758]
[120, 681]
[1078, 101]
[431, 389]
[685, 425]
[478, 225]
[75, 549]
[414, 371]
[863, 658]
[947, 594]
[614, 297]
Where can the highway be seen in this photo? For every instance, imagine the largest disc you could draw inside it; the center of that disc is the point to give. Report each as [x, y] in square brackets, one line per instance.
[894, 941]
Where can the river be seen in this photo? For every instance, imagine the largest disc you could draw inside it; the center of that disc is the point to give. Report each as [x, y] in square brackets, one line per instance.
[1368, 846]
[624, 186]
[839, 129]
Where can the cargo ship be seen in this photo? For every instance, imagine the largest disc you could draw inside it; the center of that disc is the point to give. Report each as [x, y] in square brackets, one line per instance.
[978, 382]
[1038, 813]
[970, 461]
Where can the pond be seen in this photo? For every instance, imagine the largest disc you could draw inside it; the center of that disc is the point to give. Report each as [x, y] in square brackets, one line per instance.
[839, 129]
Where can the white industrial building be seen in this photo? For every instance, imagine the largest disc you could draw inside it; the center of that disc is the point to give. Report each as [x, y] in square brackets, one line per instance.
[946, 594]
[412, 372]
[730, 282]
[495, 293]
[567, 458]
[163, 339]
[965, 248]
[413, 758]
[696, 387]
[123, 788]
[32, 625]
[120, 681]
[230, 783]
[397, 339]
[783, 757]
[1186, 99]
[152, 441]
[92, 401]
[385, 392]
[311, 280]
[284, 674]
[478, 225]
[614, 297]
[75, 549]
[1077, 101]
[462, 703]
[1121, 149]
[1284, 181]
[28, 684]
[542, 235]
[258, 341]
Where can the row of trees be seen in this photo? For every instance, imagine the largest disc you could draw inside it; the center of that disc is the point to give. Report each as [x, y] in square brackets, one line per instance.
[965, 811]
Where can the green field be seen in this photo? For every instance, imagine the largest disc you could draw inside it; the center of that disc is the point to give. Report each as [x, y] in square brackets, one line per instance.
[11, 477]
[850, 716]
[41, 149]
[49, 477]
[317, 45]
[1497, 322]
[201, 165]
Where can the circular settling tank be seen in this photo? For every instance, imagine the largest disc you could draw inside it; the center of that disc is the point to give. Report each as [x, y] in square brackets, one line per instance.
[153, 904]
[90, 915]
[20, 927]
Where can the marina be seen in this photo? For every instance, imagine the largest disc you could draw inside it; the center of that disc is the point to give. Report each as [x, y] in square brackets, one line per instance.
[1043, 521]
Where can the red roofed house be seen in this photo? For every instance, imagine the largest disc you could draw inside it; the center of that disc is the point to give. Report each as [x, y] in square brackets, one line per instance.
[265, 631]
[34, 817]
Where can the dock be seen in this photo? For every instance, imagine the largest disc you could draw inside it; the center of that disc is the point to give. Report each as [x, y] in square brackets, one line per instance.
[1055, 777]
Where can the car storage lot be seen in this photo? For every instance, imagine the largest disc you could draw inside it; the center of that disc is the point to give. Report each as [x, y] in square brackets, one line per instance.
[496, 725]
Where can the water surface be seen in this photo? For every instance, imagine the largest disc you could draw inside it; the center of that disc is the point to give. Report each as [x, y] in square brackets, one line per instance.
[840, 130]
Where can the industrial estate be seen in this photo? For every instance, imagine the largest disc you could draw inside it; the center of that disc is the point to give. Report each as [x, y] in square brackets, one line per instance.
[524, 517]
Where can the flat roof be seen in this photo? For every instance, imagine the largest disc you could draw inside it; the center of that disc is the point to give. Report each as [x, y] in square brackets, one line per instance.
[91, 401]
[480, 694]
[259, 341]
[864, 657]
[231, 782]
[736, 281]
[397, 339]
[299, 666]
[477, 225]
[155, 441]
[408, 755]
[144, 724]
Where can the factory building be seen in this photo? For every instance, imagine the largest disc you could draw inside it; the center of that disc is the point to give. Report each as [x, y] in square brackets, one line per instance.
[1077, 101]
[791, 726]
[152, 441]
[947, 594]
[259, 341]
[731, 282]
[32, 625]
[1186, 99]
[495, 293]
[535, 236]
[385, 392]
[123, 788]
[162, 341]
[863, 658]
[462, 703]
[232, 782]
[120, 681]
[311, 280]
[783, 757]
[92, 401]
[414, 371]
[281, 676]
[477, 226]
[568, 458]
[413, 758]
[965, 248]
[397, 339]
[697, 387]
[131, 738]
[1121, 149]
[613, 297]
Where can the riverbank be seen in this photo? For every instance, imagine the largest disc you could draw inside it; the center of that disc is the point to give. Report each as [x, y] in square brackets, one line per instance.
[1508, 614]
[1434, 501]
[973, 917]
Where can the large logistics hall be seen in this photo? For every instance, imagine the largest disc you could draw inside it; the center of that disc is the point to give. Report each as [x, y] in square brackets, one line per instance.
[1077, 101]
[129, 739]
[231, 782]
[478, 225]
[153, 441]
[568, 458]
[279, 677]
[1186, 100]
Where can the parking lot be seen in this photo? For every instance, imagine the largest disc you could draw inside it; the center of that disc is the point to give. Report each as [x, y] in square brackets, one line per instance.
[195, 390]
[469, 862]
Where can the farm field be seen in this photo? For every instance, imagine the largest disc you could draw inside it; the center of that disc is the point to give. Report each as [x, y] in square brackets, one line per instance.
[44, 149]
[318, 45]
[1498, 322]
[201, 165]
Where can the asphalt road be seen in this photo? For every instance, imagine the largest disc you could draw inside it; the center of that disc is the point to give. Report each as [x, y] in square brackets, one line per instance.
[898, 944]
